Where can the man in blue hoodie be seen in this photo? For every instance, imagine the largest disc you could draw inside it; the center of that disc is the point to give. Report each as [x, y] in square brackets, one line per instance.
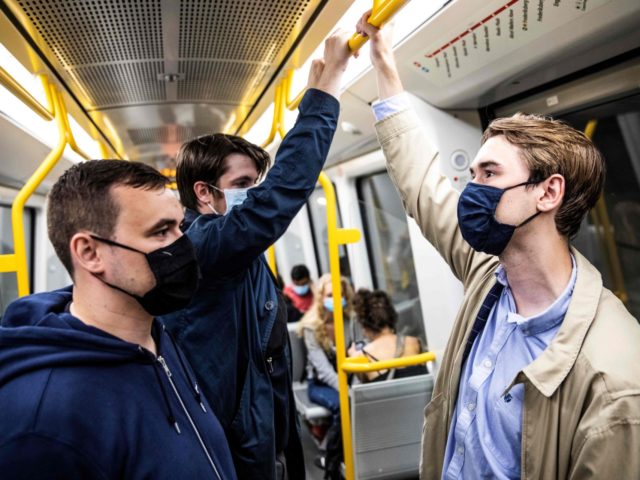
[91, 385]
[234, 332]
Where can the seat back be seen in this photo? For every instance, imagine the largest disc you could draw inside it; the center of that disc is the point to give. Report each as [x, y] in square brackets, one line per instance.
[386, 424]
[298, 353]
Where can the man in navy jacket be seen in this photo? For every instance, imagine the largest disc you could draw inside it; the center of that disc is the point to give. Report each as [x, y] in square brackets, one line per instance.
[91, 385]
[234, 331]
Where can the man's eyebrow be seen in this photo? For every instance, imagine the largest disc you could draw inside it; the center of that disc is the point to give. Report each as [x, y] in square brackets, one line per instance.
[165, 222]
[486, 164]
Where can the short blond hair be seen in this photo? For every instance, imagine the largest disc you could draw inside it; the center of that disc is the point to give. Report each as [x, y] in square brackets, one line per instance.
[551, 147]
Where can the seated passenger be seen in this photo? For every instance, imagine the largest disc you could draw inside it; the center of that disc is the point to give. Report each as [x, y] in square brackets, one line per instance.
[234, 332]
[316, 327]
[378, 318]
[91, 385]
[541, 374]
[300, 291]
[293, 314]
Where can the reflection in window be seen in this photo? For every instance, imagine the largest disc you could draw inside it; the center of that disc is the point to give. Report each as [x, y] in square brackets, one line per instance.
[317, 206]
[8, 280]
[610, 235]
[390, 254]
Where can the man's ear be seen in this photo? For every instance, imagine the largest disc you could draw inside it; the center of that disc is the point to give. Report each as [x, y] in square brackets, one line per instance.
[203, 192]
[552, 194]
[84, 253]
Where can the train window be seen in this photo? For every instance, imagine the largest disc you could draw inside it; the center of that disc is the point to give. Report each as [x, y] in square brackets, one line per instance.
[610, 235]
[8, 280]
[317, 207]
[390, 254]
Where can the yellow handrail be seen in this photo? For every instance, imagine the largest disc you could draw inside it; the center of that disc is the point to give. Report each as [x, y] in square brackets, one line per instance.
[271, 260]
[18, 260]
[71, 141]
[291, 104]
[275, 122]
[381, 13]
[362, 364]
[8, 82]
[339, 236]
[601, 218]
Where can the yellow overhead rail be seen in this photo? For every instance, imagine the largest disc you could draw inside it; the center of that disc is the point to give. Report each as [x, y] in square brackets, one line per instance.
[17, 262]
[601, 219]
[8, 82]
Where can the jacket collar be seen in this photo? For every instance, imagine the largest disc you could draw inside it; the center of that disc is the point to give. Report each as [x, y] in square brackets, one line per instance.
[550, 369]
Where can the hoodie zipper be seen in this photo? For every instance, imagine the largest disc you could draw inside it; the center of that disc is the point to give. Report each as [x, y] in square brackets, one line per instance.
[165, 367]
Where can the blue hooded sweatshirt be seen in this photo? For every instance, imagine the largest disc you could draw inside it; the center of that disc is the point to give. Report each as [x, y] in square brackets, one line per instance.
[77, 402]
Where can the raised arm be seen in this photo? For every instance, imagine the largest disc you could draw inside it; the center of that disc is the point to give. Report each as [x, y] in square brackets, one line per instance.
[237, 239]
[413, 163]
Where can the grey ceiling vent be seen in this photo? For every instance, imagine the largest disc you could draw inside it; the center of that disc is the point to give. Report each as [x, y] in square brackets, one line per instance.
[167, 134]
[250, 30]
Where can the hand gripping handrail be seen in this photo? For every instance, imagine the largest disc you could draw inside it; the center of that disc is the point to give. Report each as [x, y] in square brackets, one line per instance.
[363, 364]
[381, 13]
[17, 262]
[339, 236]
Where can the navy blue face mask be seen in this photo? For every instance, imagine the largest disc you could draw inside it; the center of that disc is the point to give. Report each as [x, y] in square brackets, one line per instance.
[477, 221]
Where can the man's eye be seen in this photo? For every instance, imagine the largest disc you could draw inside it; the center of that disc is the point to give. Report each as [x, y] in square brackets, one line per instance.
[162, 233]
[488, 174]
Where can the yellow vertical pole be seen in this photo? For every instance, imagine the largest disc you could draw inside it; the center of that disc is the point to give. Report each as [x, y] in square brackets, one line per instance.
[336, 237]
[271, 260]
[17, 209]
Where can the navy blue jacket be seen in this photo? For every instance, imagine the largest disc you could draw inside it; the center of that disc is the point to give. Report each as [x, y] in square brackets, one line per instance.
[229, 331]
[77, 402]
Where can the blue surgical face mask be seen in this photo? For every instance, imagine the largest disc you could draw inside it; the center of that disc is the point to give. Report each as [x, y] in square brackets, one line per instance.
[232, 196]
[328, 303]
[301, 289]
[476, 218]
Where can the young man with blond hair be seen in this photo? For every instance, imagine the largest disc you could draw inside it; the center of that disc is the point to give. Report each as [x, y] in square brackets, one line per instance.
[541, 374]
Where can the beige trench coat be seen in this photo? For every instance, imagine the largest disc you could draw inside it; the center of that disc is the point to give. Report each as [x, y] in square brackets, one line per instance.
[581, 413]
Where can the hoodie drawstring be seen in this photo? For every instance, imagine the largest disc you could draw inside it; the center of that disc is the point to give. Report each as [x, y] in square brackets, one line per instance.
[170, 417]
[185, 370]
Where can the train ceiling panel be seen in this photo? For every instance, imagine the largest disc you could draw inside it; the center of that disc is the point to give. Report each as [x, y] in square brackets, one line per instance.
[118, 56]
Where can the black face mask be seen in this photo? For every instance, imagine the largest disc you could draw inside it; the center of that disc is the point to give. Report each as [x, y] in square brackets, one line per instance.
[175, 268]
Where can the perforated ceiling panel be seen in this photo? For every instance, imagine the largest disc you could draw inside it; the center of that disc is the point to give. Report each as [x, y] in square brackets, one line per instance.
[252, 30]
[238, 79]
[118, 54]
[97, 31]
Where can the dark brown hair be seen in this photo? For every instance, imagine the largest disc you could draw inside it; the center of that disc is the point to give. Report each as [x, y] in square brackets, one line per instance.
[552, 147]
[202, 160]
[81, 200]
[375, 310]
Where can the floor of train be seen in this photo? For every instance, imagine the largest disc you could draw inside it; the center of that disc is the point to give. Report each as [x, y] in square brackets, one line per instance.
[310, 453]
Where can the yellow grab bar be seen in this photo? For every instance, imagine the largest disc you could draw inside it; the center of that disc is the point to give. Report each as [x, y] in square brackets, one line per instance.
[381, 13]
[275, 122]
[336, 237]
[18, 261]
[71, 141]
[291, 104]
[601, 218]
[271, 260]
[356, 365]
[8, 82]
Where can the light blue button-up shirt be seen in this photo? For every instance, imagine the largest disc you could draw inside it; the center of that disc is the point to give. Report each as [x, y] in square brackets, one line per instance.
[486, 427]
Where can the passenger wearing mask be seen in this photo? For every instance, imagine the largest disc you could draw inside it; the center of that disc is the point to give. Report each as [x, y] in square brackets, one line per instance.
[316, 328]
[299, 291]
[378, 319]
[234, 331]
[91, 384]
[541, 375]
